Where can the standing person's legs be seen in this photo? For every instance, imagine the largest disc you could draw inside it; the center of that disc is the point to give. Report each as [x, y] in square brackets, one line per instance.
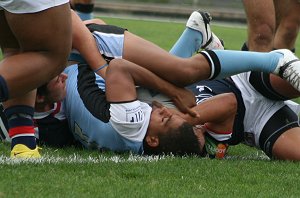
[261, 24]
[262, 21]
[288, 24]
[44, 40]
[35, 48]
[286, 34]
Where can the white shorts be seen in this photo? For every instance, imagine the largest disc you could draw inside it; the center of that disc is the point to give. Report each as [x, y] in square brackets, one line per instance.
[110, 44]
[29, 6]
[259, 109]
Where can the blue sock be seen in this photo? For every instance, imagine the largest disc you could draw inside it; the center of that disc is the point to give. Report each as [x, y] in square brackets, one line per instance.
[229, 62]
[29, 141]
[188, 43]
[84, 11]
[85, 16]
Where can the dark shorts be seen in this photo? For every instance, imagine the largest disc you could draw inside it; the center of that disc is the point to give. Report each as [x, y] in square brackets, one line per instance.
[283, 120]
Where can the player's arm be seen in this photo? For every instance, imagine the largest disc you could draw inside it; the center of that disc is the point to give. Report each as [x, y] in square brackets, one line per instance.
[218, 112]
[84, 42]
[123, 76]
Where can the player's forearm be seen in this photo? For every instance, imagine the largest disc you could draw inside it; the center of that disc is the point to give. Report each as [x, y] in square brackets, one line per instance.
[84, 42]
[217, 109]
[122, 76]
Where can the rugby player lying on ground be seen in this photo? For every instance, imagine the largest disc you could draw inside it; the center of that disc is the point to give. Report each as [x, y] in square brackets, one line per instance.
[276, 90]
[264, 121]
[138, 137]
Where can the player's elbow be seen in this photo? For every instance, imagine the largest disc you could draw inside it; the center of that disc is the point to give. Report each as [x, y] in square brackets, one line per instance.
[231, 103]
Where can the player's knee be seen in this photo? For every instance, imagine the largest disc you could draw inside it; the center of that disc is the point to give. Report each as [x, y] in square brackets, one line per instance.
[117, 65]
[263, 34]
[56, 63]
[59, 57]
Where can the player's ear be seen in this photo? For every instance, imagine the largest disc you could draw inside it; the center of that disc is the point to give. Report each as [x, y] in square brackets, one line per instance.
[152, 141]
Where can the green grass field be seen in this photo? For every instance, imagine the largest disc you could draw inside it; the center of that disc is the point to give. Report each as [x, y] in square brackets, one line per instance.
[74, 172]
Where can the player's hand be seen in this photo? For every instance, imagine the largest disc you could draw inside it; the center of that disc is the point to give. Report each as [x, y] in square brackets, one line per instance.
[185, 101]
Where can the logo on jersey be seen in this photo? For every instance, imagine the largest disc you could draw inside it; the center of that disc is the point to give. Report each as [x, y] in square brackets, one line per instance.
[214, 148]
[134, 115]
[202, 88]
[203, 93]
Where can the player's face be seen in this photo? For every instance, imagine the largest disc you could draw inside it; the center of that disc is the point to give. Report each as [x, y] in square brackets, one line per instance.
[57, 88]
[163, 120]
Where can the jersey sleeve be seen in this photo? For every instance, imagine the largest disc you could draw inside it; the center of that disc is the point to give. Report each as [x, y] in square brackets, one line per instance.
[130, 119]
[92, 95]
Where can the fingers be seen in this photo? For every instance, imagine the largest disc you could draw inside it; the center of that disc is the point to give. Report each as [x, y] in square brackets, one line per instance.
[193, 113]
[188, 110]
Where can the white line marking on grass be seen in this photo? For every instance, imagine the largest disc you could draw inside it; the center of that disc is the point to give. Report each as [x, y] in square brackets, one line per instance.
[47, 159]
[259, 155]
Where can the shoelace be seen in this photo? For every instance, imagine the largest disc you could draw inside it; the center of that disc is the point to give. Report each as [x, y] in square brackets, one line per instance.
[291, 76]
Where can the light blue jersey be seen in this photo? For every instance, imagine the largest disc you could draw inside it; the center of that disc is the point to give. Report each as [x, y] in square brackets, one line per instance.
[89, 130]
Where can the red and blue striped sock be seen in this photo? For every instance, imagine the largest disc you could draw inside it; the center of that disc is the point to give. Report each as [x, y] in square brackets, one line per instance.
[20, 123]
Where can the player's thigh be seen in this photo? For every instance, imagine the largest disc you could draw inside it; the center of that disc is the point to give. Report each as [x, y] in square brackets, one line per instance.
[290, 16]
[48, 30]
[148, 55]
[286, 146]
[281, 9]
[7, 39]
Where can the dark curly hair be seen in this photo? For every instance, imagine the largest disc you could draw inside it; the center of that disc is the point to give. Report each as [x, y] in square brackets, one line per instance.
[179, 142]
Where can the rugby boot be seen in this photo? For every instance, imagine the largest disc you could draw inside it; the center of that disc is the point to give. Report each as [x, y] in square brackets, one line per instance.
[199, 21]
[288, 68]
[22, 151]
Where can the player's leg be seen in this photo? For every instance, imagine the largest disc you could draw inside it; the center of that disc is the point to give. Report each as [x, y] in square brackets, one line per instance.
[289, 23]
[188, 43]
[197, 34]
[84, 42]
[273, 86]
[261, 24]
[280, 136]
[44, 42]
[192, 39]
[216, 64]
[286, 146]
[10, 47]
[159, 61]
[3, 125]
[285, 37]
